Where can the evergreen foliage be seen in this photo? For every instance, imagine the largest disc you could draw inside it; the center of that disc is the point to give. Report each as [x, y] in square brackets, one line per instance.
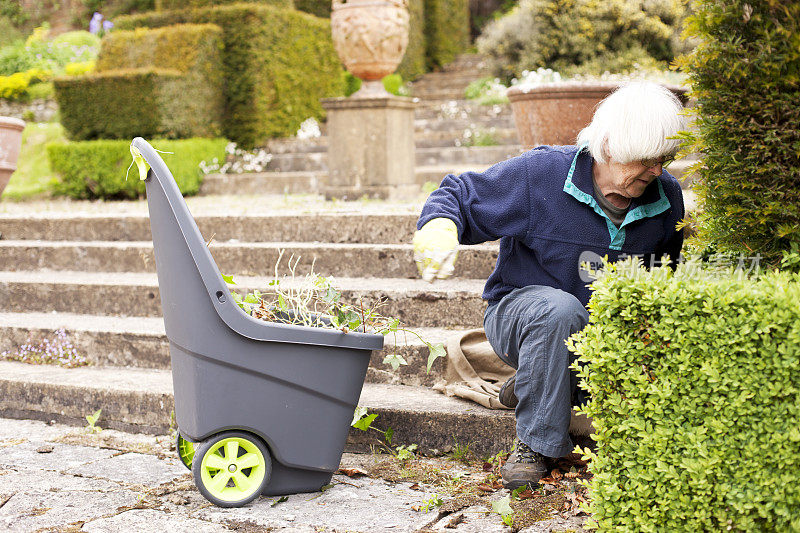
[583, 36]
[447, 30]
[277, 63]
[96, 169]
[129, 97]
[746, 83]
[695, 397]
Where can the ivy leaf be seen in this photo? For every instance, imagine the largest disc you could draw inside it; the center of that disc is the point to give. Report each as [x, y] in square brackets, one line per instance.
[436, 351]
[365, 423]
[387, 436]
[394, 359]
[228, 279]
[503, 507]
[251, 298]
[359, 413]
[282, 303]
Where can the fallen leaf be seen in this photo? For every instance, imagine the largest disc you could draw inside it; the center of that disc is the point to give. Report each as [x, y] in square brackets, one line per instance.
[526, 494]
[488, 467]
[353, 472]
[453, 523]
[571, 475]
[415, 486]
[497, 485]
[45, 449]
[485, 488]
[556, 474]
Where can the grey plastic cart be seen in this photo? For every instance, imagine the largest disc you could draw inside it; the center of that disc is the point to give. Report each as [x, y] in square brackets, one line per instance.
[262, 408]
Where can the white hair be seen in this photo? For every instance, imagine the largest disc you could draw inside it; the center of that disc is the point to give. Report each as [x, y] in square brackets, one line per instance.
[633, 123]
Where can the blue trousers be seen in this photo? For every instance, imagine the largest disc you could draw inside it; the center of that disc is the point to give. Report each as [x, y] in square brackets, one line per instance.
[527, 330]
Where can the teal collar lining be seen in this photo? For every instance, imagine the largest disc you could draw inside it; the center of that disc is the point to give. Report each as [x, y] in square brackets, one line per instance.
[617, 235]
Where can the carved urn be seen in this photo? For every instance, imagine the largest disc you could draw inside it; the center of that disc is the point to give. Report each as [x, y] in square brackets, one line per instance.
[370, 37]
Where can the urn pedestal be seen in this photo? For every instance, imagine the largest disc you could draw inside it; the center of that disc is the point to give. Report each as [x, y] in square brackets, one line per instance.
[371, 148]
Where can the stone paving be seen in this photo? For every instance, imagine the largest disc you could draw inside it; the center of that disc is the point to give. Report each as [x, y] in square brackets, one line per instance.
[57, 478]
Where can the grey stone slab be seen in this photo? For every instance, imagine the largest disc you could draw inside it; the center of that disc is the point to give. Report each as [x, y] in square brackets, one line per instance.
[150, 521]
[61, 458]
[365, 505]
[133, 468]
[34, 510]
[37, 478]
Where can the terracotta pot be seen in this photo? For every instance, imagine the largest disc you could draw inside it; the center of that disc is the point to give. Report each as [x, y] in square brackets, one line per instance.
[555, 113]
[370, 36]
[10, 144]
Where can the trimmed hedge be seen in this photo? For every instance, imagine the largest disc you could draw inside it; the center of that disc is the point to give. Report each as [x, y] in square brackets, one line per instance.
[414, 63]
[746, 82]
[166, 5]
[97, 169]
[318, 8]
[127, 97]
[278, 64]
[447, 30]
[695, 394]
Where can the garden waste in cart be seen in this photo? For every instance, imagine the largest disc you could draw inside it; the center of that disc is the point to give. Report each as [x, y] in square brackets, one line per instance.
[261, 407]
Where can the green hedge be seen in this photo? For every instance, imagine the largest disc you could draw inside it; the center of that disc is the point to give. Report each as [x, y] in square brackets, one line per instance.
[414, 63]
[97, 169]
[278, 64]
[446, 30]
[166, 5]
[695, 395]
[318, 8]
[127, 96]
[746, 82]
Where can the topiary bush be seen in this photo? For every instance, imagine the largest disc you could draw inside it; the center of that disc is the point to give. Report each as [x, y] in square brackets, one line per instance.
[96, 169]
[278, 63]
[583, 36]
[695, 395]
[447, 30]
[128, 96]
[166, 5]
[318, 8]
[746, 83]
[414, 63]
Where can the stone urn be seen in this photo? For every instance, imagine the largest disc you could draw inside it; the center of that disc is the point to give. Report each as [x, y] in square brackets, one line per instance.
[554, 113]
[10, 144]
[370, 37]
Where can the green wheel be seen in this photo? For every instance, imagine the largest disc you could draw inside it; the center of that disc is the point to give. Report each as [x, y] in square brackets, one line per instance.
[185, 451]
[231, 469]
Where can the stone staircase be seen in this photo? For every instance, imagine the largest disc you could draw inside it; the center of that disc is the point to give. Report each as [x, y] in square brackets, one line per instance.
[93, 274]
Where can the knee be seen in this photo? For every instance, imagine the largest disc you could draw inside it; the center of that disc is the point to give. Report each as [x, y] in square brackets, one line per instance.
[566, 309]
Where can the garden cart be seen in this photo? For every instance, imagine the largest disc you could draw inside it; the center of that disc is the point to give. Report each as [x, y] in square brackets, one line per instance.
[261, 407]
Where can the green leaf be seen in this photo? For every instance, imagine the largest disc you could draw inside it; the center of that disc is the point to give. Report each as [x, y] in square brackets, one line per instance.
[395, 360]
[387, 436]
[228, 279]
[365, 423]
[282, 303]
[251, 299]
[503, 507]
[436, 351]
[359, 413]
[279, 500]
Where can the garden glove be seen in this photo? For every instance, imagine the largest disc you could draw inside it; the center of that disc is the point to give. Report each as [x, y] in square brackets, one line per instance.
[436, 249]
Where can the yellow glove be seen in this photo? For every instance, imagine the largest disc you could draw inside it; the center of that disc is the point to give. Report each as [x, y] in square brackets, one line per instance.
[436, 249]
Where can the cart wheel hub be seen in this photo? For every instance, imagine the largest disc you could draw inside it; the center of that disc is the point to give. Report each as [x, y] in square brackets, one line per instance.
[232, 469]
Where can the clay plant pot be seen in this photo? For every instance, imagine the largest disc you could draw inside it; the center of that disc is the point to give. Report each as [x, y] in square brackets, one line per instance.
[10, 145]
[554, 113]
[370, 37]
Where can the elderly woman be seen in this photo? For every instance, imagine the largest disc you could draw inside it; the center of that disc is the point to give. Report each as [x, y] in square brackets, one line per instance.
[554, 208]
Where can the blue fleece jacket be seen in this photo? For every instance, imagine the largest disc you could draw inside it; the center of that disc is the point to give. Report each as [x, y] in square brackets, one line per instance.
[541, 206]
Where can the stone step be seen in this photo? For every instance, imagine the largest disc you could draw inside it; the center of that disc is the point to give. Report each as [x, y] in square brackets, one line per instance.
[444, 304]
[140, 342]
[318, 161]
[302, 182]
[348, 226]
[439, 93]
[457, 124]
[434, 109]
[141, 401]
[244, 258]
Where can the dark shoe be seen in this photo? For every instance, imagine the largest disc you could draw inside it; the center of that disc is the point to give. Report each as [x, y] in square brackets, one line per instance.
[523, 467]
[506, 394]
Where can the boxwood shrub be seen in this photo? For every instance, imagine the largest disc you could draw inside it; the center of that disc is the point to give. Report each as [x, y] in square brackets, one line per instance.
[447, 30]
[166, 5]
[746, 81]
[97, 169]
[695, 395]
[278, 64]
[128, 96]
